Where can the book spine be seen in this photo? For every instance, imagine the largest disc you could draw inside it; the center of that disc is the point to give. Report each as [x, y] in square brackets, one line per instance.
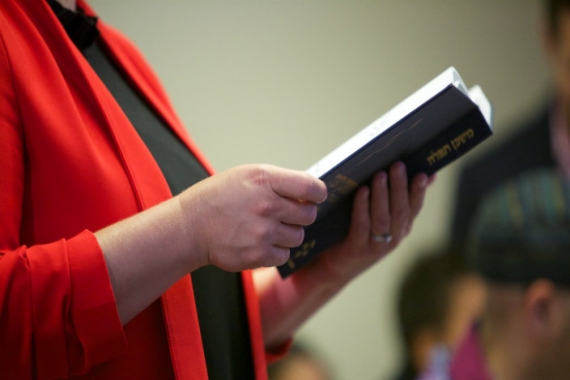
[449, 145]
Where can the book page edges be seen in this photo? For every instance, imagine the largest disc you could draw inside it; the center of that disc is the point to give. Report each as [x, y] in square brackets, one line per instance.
[478, 97]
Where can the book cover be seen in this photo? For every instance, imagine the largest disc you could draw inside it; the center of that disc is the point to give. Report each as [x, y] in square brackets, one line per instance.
[433, 127]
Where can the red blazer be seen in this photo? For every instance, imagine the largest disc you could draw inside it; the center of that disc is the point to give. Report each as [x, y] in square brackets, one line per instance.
[70, 164]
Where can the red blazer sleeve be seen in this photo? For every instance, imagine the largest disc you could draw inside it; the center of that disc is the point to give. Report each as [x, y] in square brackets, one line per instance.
[57, 311]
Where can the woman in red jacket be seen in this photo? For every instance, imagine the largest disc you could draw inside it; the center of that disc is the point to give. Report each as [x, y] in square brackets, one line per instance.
[121, 255]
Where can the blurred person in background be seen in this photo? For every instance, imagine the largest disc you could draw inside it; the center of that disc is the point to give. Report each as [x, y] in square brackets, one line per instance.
[520, 245]
[439, 299]
[543, 141]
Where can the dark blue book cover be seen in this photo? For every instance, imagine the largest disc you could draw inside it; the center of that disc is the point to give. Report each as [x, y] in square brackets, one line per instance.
[432, 128]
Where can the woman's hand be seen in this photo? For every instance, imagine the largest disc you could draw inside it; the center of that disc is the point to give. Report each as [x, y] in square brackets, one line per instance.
[251, 215]
[243, 218]
[382, 216]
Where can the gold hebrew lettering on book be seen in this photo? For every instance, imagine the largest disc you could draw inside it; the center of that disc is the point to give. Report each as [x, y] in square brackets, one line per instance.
[439, 154]
[340, 186]
[456, 143]
[462, 138]
[304, 251]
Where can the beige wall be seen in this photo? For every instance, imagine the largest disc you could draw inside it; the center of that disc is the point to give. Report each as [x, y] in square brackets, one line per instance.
[285, 81]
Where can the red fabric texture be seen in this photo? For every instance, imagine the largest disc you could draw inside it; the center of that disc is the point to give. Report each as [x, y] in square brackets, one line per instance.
[70, 164]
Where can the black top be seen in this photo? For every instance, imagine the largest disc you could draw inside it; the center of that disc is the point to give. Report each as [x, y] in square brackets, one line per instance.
[219, 294]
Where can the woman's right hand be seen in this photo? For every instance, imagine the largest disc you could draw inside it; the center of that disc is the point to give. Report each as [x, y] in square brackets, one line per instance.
[249, 216]
[243, 218]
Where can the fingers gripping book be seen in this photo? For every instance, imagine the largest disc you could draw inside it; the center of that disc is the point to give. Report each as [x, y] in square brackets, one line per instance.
[428, 130]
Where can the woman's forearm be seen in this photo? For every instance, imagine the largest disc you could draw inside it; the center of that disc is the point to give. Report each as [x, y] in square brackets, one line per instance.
[146, 254]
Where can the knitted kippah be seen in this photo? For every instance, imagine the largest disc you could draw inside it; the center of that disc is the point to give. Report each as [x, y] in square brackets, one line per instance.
[521, 231]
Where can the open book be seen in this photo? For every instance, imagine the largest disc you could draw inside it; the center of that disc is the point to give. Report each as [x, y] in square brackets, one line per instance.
[434, 126]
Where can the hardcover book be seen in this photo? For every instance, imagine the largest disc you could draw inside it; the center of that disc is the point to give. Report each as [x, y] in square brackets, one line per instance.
[431, 128]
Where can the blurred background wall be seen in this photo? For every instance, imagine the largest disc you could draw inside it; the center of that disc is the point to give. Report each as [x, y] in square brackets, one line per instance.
[286, 81]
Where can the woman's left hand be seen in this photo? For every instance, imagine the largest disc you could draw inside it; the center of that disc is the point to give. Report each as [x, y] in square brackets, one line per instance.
[382, 216]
